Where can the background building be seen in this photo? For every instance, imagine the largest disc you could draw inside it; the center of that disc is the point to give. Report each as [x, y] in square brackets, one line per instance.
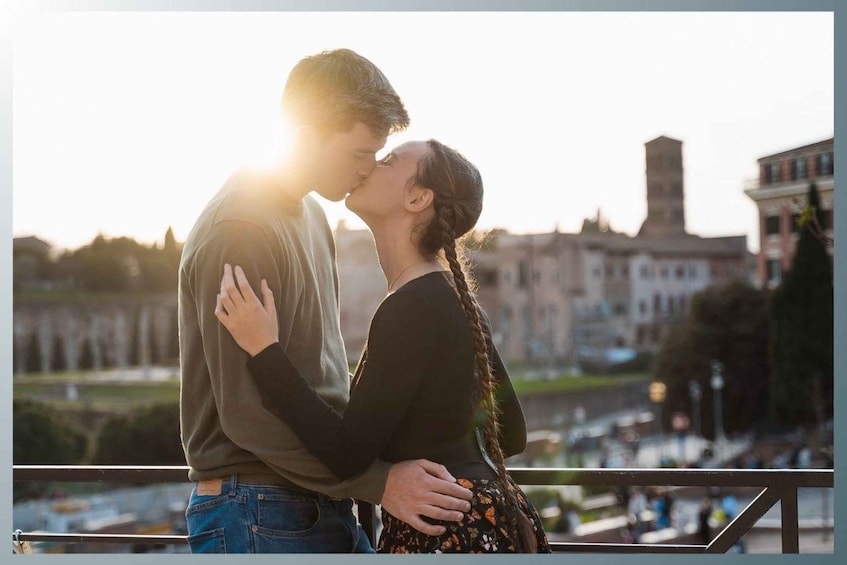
[30, 256]
[780, 194]
[362, 285]
[559, 299]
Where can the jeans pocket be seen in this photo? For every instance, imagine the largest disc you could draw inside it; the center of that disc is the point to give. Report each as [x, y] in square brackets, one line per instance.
[198, 504]
[212, 541]
[286, 515]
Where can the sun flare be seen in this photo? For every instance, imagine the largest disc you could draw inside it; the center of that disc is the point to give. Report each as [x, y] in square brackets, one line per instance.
[276, 150]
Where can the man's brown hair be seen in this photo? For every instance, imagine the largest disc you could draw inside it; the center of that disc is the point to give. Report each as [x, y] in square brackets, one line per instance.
[334, 90]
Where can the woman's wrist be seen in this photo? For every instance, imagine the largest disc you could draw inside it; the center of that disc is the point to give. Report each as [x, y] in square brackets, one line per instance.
[253, 352]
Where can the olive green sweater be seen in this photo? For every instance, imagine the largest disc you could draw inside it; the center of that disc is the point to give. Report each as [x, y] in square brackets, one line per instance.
[225, 430]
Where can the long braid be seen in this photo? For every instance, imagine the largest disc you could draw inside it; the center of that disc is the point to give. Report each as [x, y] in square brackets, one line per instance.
[457, 205]
[487, 411]
[485, 389]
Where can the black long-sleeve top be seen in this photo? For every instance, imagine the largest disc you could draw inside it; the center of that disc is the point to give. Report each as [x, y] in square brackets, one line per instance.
[412, 390]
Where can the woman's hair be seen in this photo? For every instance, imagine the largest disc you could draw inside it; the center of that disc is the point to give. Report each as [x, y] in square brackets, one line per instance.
[334, 90]
[457, 203]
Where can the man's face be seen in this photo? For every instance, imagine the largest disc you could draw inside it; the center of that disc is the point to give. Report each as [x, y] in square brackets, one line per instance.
[345, 161]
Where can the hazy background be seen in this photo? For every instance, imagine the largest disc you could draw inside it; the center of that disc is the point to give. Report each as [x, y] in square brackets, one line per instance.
[126, 123]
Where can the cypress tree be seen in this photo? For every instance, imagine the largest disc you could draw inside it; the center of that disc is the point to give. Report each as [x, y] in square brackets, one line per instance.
[801, 339]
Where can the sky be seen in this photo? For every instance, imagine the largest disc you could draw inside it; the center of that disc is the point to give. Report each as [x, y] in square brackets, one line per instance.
[127, 123]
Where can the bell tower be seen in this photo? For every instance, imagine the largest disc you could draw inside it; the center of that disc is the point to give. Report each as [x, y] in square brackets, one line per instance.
[665, 194]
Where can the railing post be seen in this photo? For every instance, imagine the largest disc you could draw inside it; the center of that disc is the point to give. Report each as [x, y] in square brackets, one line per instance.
[790, 520]
[367, 515]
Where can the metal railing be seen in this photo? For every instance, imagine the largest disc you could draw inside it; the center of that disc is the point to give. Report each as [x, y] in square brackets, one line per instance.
[777, 486]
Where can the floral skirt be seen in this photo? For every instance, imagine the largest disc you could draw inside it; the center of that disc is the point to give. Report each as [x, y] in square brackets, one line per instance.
[485, 529]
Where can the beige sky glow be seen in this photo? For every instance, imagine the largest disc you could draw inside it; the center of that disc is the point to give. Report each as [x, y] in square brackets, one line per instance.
[126, 123]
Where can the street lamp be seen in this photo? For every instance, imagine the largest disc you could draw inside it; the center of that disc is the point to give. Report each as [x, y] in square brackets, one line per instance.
[657, 392]
[696, 392]
[717, 386]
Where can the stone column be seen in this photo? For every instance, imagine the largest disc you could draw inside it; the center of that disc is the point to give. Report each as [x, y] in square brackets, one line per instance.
[71, 340]
[95, 335]
[22, 337]
[45, 341]
[121, 340]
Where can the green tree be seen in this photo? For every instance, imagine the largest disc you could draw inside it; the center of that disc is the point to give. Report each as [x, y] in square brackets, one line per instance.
[109, 265]
[43, 436]
[728, 324]
[160, 266]
[802, 334]
[106, 265]
[170, 245]
[157, 273]
[146, 436]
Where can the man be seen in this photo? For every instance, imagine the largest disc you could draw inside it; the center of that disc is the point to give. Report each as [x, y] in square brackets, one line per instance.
[257, 488]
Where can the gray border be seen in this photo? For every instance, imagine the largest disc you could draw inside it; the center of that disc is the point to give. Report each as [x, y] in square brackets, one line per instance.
[6, 269]
[438, 5]
[398, 5]
[840, 304]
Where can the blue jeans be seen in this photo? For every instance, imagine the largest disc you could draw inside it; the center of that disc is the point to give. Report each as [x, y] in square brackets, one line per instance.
[248, 518]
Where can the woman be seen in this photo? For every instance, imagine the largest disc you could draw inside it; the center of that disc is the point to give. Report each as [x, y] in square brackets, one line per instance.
[430, 383]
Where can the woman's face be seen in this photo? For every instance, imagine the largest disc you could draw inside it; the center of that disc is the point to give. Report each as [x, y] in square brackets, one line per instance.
[383, 192]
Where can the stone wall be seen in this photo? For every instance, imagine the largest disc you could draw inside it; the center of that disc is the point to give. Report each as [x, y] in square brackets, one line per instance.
[118, 331]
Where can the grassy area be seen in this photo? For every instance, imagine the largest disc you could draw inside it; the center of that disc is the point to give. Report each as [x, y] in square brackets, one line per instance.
[98, 395]
[55, 378]
[527, 386]
[51, 386]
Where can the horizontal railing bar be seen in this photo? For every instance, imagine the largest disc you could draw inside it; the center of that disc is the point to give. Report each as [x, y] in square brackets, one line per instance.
[181, 540]
[776, 483]
[102, 538]
[108, 473]
[820, 478]
[816, 478]
[575, 547]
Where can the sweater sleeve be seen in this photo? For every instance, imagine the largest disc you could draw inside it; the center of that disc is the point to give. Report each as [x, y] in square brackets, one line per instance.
[512, 421]
[400, 345]
[237, 401]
